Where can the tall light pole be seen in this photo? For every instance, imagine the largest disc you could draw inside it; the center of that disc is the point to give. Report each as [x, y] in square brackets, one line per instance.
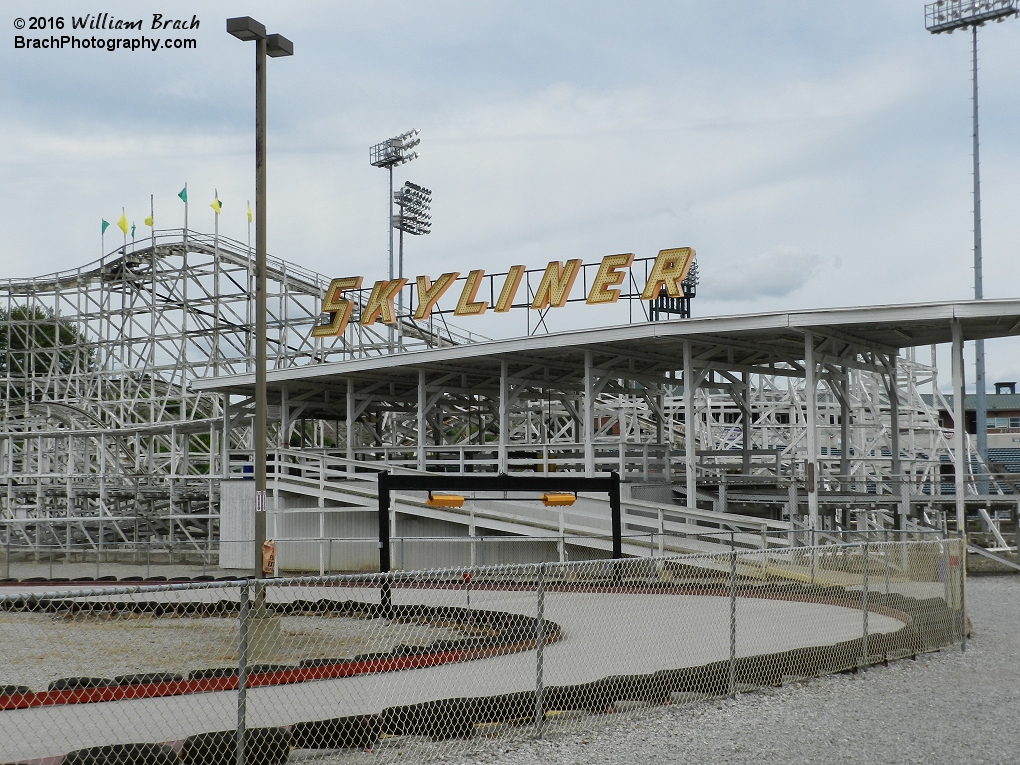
[246, 28]
[948, 16]
[389, 154]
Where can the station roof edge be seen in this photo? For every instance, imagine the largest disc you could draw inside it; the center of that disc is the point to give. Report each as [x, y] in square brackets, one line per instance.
[881, 328]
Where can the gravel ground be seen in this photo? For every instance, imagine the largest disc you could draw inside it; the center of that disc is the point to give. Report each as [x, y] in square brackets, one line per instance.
[947, 707]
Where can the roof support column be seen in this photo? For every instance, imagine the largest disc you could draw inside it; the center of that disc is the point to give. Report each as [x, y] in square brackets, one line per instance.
[589, 416]
[504, 415]
[959, 426]
[422, 405]
[899, 480]
[660, 431]
[845, 442]
[811, 395]
[225, 439]
[845, 446]
[690, 430]
[283, 439]
[745, 430]
[350, 424]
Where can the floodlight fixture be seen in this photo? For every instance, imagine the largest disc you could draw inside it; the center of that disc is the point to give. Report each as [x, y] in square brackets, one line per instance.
[950, 15]
[395, 151]
[689, 285]
[278, 46]
[246, 28]
[415, 203]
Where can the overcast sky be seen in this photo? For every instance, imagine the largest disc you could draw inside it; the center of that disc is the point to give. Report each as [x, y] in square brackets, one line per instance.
[815, 154]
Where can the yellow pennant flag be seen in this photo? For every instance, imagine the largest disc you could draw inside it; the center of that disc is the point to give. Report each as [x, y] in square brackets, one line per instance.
[148, 221]
[122, 224]
[217, 205]
[249, 212]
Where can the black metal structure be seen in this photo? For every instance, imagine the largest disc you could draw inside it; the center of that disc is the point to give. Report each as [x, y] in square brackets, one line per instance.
[496, 483]
[664, 305]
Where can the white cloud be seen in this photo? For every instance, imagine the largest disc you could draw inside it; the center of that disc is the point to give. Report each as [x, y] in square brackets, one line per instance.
[772, 274]
[547, 134]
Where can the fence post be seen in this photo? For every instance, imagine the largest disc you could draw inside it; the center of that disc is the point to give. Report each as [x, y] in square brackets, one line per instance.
[885, 555]
[471, 614]
[814, 554]
[963, 589]
[242, 672]
[733, 623]
[662, 532]
[944, 572]
[864, 606]
[539, 648]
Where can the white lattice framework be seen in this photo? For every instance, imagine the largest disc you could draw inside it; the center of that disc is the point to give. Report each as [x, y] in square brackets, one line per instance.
[98, 420]
[104, 442]
[630, 417]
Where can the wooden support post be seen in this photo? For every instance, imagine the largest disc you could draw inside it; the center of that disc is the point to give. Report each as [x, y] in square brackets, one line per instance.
[845, 446]
[690, 429]
[350, 424]
[811, 396]
[589, 416]
[504, 416]
[900, 487]
[422, 404]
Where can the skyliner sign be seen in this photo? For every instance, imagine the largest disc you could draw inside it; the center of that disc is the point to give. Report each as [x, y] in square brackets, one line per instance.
[667, 272]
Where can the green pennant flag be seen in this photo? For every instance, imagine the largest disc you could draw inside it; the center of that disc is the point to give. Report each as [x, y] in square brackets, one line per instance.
[132, 230]
[184, 194]
[106, 225]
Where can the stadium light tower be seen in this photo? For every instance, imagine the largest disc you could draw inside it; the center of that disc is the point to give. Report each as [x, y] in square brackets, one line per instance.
[248, 29]
[389, 154]
[948, 16]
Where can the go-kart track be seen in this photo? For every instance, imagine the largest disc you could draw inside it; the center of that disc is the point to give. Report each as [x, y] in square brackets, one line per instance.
[602, 633]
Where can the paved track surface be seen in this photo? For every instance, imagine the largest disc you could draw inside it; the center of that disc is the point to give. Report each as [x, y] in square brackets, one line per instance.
[603, 634]
[947, 708]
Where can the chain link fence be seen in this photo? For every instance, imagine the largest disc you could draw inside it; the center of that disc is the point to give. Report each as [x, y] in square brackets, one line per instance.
[133, 563]
[414, 664]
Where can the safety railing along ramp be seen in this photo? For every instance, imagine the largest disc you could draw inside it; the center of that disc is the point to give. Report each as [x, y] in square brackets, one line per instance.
[333, 480]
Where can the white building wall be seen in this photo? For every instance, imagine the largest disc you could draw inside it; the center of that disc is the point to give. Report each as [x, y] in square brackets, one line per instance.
[237, 524]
